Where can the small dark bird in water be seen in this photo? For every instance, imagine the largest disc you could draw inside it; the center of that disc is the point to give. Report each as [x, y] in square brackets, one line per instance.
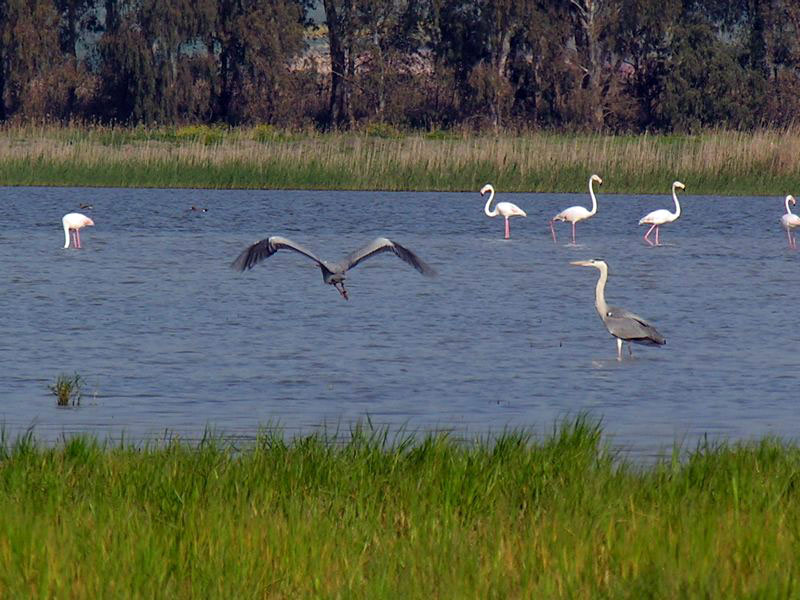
[85, 206]
[332, 273]
[198, 209]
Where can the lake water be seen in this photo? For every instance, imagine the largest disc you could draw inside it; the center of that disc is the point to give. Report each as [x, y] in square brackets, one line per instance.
[170, 340]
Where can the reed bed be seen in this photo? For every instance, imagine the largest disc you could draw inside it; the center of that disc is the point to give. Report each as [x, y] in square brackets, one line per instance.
[375, 515]
[723, 162]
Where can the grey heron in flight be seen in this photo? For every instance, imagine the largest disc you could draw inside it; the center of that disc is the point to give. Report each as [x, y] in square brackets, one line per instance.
[332, 273]
[622, 324]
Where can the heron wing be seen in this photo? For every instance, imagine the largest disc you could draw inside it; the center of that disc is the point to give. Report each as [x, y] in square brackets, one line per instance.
[255, 253]
[631, 327]
[379, 245]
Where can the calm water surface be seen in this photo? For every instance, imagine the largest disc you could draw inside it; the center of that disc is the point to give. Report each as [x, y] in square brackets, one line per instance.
[169, 339]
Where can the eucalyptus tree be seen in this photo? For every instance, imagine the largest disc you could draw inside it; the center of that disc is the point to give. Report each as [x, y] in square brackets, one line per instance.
[31, 57]
[254, 42]
[145, 49]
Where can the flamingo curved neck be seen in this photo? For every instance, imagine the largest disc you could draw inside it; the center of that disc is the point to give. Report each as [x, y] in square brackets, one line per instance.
[599, 291]
[788, 210]
[677, 212]
[594, 199]
[490, 213]
[66, 235]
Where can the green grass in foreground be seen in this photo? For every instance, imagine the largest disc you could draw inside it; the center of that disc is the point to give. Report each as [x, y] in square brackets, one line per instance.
[717, 162]
[379, 518]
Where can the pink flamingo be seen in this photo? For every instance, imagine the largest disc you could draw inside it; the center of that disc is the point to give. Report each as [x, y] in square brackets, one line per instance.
[73, 222]
[573, 214]
[790, 221]
[662, 216]
[505, 209]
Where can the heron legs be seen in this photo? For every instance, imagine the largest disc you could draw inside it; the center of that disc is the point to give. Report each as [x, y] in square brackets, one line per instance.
[508, 229]
[340, 288]
[619, 349]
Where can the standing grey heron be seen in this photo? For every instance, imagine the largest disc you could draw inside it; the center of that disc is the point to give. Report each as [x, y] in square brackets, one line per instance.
[623, 325]
[332, 273]
[573, 214]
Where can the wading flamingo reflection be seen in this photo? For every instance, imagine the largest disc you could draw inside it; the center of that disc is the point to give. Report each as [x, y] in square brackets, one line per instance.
[790, 221]
[504, 209]
[573, 214]
[73, 222]
[623, 325]
[332, 273]
[662, 216]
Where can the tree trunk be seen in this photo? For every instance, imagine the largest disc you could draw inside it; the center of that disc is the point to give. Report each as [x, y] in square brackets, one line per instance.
[339, 114]
[587, 41]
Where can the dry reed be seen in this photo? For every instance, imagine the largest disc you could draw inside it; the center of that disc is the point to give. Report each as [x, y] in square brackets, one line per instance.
[724, 162]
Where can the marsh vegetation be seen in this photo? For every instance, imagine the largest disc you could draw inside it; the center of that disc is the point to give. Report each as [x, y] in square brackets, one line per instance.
[724, 163]
[372, 514]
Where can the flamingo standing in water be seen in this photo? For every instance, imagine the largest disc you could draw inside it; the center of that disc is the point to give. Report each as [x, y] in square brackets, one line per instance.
[73, 222]
[790, 221]
[662, 216]
[504, 209]
[573, 214]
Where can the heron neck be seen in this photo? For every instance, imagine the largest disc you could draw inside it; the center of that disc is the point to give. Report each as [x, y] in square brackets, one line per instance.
[677, 212]
[599, 292]
[594, 199]
[490, 213]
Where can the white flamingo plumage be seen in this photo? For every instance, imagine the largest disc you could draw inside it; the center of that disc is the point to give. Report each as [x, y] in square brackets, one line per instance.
[73, 222]
[662, 216]
[790, 221]
[573, 214]
[504, 209]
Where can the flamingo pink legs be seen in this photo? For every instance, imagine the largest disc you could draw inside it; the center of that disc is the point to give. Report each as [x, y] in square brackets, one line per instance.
[647, 239]
[553, 231]
[75, 237]
[508, 229]
[792, 241]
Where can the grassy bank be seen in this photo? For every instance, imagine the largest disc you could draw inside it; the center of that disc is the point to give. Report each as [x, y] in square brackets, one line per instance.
[762, 163]
[378, 518]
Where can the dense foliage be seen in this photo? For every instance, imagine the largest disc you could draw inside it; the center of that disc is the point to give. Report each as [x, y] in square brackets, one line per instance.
[613, 65]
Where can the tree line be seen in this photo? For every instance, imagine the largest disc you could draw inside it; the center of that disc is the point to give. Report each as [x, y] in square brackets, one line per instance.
[610, 65]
